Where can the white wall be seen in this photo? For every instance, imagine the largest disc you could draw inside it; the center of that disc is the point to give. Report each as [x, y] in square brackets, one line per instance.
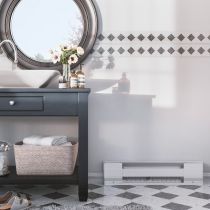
[174, 125]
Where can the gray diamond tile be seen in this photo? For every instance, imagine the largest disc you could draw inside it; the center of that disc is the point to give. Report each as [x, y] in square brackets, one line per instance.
[176, 206]
[191, 37]
[131, 50]
[201, 37]
[141, 37]
[101, 37]
[93, 195]
[124, 187]
[128, 195]
[156, 187]
[111, 37]
[93, 186]
[161, 50]
[165, 195]
[50, 205]
[55, 195]
[121, 37]
[121, 50]
[181, 37]
[181, 50]
[101, 50]
[189, 187]
[191, 50]
[131, 37]
[201, 50]
[151, 50]
[207, 206]
[208, 37]
[58, 186]
[111, 50]
[209, 50]
[200, 195]
[171, 37]
[93, 205]
[161, 37]
[141, 50]
[171, 50]
[151, 37]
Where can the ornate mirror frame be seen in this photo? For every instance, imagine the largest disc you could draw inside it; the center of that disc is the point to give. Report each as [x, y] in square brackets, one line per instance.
[90, 18]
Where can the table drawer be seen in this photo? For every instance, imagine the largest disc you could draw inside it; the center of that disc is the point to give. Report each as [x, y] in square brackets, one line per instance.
[21, 103]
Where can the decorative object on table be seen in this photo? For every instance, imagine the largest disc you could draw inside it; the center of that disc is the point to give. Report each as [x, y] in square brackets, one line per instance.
[81, 77]
[4, 148]
[67, 55]
[62, 83]
[47, 160]
[73, 80]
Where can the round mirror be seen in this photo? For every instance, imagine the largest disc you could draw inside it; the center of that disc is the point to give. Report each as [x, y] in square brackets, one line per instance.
[37, 26]
[44, 29]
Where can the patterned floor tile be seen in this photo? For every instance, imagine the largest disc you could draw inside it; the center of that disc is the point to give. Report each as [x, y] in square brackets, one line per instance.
[189, 187]
[176, 206]
[165, 195]
[200, 195]
[71, 201]
[93, 205]
[73, 189]
[93, 195]
[141, 190]
[128, 195]
[177, 190]
[157, 187]
[93, 186]
[50, 204]
[124, 187]
[207, 206]
[108, 190]
[55, 195]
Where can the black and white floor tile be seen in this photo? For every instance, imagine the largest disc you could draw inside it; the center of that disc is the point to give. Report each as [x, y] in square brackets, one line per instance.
[159, 197]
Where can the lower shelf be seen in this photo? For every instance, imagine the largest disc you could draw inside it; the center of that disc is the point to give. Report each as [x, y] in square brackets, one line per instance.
[15, 179]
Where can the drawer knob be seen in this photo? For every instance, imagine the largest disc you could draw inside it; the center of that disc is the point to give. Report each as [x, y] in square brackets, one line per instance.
[11, 103]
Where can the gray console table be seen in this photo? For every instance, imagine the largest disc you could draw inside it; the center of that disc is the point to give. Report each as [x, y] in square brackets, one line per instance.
[51, 102]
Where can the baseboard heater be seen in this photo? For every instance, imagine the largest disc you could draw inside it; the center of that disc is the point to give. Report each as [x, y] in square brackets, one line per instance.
[157, 172]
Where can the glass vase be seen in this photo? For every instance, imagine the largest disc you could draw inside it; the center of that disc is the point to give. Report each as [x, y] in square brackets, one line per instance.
[66, 73]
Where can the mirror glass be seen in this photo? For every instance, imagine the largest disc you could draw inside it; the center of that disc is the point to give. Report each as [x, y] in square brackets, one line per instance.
[38, 26]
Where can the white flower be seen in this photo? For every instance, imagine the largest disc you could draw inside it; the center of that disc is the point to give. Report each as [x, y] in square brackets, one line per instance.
[73, 59]
[80, 51]
[56, 57]
[65, 47]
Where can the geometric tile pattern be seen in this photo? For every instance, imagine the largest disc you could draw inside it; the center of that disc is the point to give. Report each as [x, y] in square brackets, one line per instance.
[159, 197]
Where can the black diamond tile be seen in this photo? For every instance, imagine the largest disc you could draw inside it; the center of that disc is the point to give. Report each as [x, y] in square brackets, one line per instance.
[121, 50]
[141, 50]
[111, 37]
[209, 50]
[111, 50]
[123, 187]
[171, 37]
[93, 205]
[141, 37]
[189, 187]
[136, 206]
[131, 37]
[201, 37]
[50, 205]
[165, 195]
[58, 186]
[191, 37]
[191, 50]
[207, 206]
[101, 37]
[93, 186]
[200, 195]
[161, 50]
[93, 195]
[201, 50]
[171, 50]
[101, 50]
[23, 187]
[131, 50]
[156, 187]
[128, 195]
[55, 195]
[161, 37]
[176, 206]
[121, 37]
[151, 50]
[131, 205]
[181, 37]
[181, 50]
[151, 37]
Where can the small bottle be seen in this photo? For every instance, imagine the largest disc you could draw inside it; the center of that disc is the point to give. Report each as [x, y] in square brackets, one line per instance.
[81, 78]
[73, 80]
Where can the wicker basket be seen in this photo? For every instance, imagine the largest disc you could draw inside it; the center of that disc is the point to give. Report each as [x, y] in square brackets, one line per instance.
[45, 160]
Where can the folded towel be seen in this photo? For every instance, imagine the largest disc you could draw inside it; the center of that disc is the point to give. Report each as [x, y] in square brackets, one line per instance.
[46, 140]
